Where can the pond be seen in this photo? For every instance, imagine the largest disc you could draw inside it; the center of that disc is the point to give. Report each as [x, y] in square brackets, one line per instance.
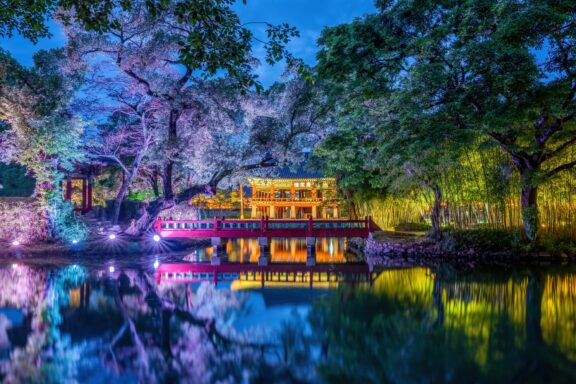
[107, 320]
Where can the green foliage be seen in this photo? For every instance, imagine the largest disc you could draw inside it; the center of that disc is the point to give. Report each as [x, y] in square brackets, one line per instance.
[413, 227]
[64, 223]
[438, 77]
[14, 182]
[141, 195]
[219, 42]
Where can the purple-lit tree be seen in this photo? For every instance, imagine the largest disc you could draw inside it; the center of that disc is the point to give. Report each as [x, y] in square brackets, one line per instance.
[204, 126]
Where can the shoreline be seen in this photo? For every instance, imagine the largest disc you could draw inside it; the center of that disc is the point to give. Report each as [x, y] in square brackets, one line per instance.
[122, 246]
[407, 251]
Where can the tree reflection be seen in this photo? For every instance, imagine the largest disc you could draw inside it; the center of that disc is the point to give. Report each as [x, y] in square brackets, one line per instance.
[413, 325]
[422, 326]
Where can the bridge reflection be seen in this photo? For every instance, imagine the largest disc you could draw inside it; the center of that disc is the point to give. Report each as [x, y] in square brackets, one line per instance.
[321, 275]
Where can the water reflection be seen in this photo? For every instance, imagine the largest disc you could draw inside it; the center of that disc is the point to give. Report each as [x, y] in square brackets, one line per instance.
[282, 250]
[78, 324]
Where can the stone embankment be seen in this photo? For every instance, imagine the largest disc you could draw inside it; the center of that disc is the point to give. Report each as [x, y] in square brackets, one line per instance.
[410, 251]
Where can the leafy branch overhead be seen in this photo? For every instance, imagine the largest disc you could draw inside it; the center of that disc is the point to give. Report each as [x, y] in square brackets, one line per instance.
[215, 40]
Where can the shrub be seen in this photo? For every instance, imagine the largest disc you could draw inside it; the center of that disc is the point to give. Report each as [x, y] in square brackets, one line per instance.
[22, 220]
[64, 223]
[413, 227]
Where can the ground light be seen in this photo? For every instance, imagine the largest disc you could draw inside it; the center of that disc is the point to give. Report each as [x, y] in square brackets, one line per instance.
[156, 238]
[74, 241]
[156, 264]
[15, 243]
[112, 236]
[111, 269]
[14, 266]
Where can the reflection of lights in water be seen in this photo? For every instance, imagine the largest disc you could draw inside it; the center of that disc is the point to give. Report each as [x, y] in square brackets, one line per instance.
[112, 236]
[111, 269]
[331, 248]
[15, 243]
[156, 238]
[156, 264]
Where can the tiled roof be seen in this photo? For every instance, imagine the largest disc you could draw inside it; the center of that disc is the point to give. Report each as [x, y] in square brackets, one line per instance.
[299, 172]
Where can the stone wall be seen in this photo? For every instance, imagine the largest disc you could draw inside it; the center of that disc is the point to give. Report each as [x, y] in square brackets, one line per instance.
[21, 219]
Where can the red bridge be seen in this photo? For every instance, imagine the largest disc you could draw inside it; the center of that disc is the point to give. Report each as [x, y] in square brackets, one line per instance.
[282, 273]
[264, 227]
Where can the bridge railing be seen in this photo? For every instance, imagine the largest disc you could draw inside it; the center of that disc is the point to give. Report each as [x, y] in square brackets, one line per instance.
[220, 227]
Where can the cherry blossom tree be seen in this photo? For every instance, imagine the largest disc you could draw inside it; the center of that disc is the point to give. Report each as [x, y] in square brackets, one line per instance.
[146, 52]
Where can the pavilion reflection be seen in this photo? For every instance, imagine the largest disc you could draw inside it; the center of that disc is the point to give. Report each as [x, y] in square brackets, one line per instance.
[282, 250]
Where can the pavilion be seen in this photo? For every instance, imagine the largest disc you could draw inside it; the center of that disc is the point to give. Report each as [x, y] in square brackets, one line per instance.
[294, 194]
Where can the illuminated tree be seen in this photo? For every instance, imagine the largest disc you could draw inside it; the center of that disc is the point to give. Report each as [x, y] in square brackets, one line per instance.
[152, 53]
[502, 70]
[44, 136]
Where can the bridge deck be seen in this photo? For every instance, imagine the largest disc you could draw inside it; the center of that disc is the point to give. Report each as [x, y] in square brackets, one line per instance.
[263, 228]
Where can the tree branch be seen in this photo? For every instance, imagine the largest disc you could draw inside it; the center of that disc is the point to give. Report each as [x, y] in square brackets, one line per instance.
[561, 168]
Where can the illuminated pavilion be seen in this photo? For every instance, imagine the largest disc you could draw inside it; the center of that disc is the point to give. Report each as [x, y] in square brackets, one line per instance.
[294, 195]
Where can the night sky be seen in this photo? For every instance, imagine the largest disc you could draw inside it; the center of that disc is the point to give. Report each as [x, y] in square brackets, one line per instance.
[309, 16]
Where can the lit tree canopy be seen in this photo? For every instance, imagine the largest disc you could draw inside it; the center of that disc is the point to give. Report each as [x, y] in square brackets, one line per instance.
[501, 70]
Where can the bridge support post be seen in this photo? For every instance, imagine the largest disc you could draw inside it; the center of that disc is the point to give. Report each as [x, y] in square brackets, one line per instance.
[264, 251]
[219, 251]
[310, 251]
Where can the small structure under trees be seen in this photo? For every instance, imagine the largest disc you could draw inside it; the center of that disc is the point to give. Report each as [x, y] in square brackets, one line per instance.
[294, 195]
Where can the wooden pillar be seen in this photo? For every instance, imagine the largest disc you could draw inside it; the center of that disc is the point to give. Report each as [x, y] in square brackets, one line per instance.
[324, 214]
[241, 202]
[293, 212]
[272, 211]
[314, 212]
[89, 194]
[84, 193]
[254, 210]
[292, 191]
[335, 210]
[68, 193]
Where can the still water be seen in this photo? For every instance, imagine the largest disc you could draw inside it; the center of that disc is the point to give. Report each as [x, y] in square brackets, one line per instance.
[88, 322]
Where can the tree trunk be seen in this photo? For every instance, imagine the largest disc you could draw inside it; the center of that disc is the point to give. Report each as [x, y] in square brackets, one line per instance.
[127, 180]
[119, 199]
[529, 205]
[435, 214]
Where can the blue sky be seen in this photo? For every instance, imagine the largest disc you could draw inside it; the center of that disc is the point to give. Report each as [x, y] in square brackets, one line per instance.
[309, 16]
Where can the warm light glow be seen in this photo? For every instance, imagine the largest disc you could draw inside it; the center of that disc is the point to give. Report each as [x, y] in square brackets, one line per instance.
[156, 238]
[112, 236]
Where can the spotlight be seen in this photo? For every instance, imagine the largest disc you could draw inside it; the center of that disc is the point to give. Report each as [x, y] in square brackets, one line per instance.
[111, 269]
[111, 236]
[156, 264]
[156, 238]
[15, 243]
